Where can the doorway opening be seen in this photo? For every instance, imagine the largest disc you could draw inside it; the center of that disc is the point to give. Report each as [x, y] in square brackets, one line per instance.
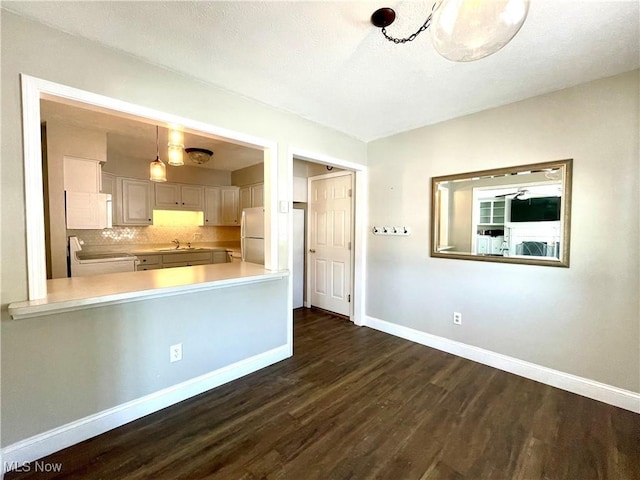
[328, 234]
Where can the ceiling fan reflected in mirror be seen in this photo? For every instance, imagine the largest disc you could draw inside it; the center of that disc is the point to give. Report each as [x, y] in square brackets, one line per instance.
[520, 194]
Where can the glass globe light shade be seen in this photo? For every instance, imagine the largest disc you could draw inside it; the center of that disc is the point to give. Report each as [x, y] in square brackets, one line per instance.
[175, 155]
[157, 171]
[467, 30]
[175, 137]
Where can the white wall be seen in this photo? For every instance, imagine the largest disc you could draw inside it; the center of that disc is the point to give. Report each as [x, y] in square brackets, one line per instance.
[583, 320]
[60, 368]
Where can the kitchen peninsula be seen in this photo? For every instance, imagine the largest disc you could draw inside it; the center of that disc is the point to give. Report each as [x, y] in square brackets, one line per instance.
[77, 293]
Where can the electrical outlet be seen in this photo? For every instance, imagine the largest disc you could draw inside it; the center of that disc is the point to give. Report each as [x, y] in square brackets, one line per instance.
[457, 318]
[175, 353]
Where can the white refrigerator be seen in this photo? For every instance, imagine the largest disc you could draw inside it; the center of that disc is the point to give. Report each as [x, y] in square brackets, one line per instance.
[252, 235]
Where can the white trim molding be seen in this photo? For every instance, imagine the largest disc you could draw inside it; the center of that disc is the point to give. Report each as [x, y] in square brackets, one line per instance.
[572, 383]
[360, 228]
[34, 89]
[58, 438]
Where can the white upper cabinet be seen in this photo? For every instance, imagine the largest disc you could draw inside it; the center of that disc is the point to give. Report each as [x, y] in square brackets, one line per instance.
[257, 195]
[82, 175]
[109, 184]
[174, 196]
[221, 206]
[229, 208]
[251, 196]
[134, 202]
[212, 206]
[245, 198]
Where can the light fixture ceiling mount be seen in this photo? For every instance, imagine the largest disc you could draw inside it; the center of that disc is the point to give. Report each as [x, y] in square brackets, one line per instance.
[464, 30]
[199, 155]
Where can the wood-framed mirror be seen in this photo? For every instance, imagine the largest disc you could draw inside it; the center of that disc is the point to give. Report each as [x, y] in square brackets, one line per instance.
[518, 215]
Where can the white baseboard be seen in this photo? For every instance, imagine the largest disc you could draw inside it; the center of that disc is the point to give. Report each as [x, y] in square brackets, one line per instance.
[38, 446]
[582, 386]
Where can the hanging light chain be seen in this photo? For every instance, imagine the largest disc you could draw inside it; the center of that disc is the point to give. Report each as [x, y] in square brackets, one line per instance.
[411, 37]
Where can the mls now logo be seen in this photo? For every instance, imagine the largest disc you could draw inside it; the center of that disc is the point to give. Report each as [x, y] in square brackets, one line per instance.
[37, 466]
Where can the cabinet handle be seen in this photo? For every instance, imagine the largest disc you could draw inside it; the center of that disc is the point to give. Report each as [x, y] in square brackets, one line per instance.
[176, 203]
[312, 250]
[144, 260]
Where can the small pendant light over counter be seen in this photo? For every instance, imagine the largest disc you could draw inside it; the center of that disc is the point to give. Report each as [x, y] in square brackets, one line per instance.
[157, 169]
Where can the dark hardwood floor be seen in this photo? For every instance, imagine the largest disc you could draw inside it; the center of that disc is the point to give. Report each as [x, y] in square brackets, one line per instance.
[354, 403]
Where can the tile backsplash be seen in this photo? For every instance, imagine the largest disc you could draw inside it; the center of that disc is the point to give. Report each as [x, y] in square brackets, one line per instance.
[124, 236]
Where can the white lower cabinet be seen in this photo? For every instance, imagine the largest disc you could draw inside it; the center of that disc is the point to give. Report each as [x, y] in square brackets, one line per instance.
[149, 262]
[488, 245]
[180, 259]
[220, 256]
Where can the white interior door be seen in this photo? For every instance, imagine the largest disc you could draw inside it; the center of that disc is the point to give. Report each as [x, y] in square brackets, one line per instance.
[330, 227]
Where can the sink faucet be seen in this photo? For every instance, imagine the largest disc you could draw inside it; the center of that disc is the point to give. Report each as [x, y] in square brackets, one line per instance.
[177, 242]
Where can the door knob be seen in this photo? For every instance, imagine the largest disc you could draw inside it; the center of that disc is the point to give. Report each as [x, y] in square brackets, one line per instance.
[312, 250]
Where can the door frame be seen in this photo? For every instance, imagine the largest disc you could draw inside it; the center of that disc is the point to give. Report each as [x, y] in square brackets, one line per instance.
[359, 221]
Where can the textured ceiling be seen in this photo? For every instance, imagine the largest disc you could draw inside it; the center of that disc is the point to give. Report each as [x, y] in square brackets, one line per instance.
[324, 60]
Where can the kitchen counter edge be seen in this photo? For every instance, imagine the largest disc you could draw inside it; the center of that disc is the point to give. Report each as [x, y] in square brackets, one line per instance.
[78, 293]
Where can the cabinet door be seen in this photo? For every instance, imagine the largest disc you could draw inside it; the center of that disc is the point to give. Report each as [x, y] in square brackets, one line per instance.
[134, 199]
[109, 184]
[244, 199]
[497, 212]
[485, 213]
[220, 257]
[496, 245]
[167, 196]
[229, 208]
[212, 206]
[483, 244]
[82, 174]
[257, 195]
[192, 197]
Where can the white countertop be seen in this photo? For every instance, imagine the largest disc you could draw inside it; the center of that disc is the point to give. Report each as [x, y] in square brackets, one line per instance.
[66, 294]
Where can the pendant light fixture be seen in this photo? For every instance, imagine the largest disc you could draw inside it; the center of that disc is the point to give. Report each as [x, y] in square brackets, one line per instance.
[157, 169]
[175, 148]
[464, 30]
